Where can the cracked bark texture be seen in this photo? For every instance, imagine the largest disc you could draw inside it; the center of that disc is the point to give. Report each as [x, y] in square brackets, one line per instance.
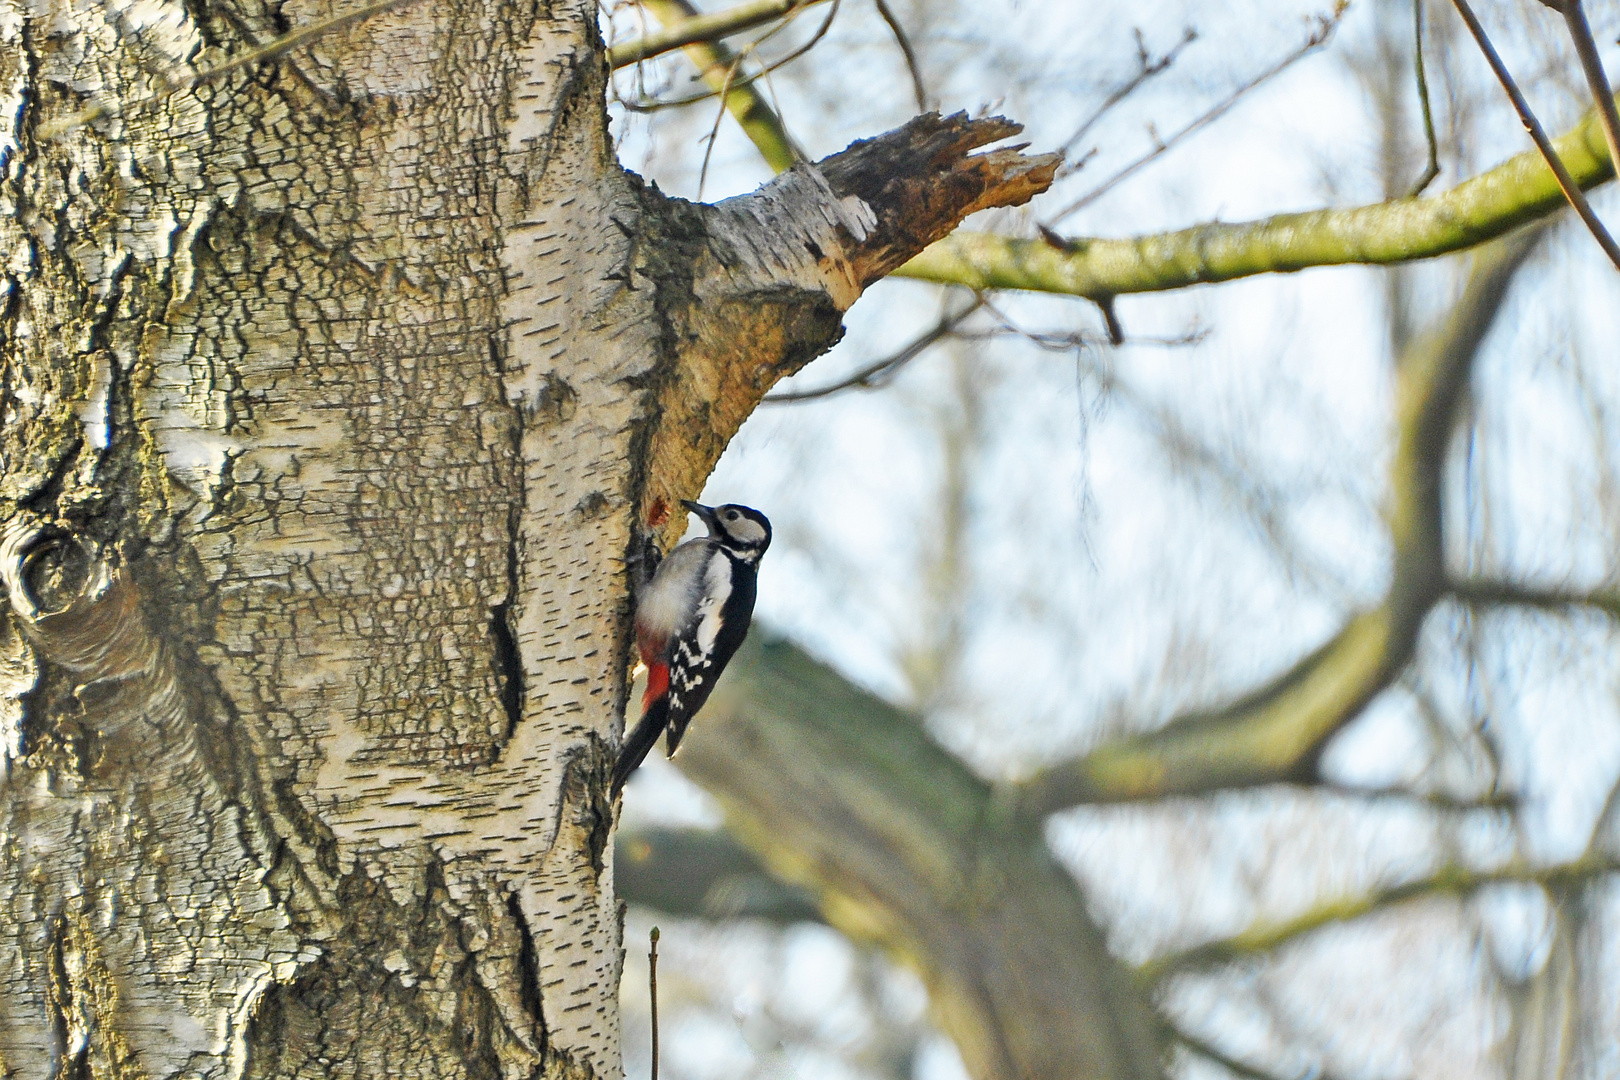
[332, 396]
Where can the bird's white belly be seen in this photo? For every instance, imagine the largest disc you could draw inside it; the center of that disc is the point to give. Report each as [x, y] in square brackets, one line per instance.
[668, 601]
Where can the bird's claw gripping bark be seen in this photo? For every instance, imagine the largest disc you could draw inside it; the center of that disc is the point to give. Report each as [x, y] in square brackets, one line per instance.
[644, 559]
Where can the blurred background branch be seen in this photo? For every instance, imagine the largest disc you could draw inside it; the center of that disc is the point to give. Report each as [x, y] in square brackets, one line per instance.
[1502, 593]
[703, 873]
[1276, 734]
[1448, 880]
[840, 793]
[696, 28]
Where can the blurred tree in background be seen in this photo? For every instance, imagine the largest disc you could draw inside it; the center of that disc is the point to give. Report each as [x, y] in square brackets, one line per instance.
[1261, 631]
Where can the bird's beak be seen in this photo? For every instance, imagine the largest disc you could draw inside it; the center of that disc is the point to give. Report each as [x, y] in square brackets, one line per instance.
[704, 513]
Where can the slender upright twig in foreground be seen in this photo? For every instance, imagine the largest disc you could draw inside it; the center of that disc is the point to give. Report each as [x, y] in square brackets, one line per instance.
[652, 990]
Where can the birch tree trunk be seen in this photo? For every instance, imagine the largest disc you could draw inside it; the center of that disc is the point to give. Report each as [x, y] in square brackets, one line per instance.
[334, 392]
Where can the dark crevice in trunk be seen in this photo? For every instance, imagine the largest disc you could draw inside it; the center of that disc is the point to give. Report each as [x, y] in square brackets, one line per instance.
[529, 966]
[508, 659]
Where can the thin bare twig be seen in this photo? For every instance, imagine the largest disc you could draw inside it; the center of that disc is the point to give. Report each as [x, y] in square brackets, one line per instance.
[709, 28]
[878, 373]
[1432, 169]
[1146, 68]
[651, 105]
[747, 80]
[1206, 1049]
[1580, 31]
[1319, 35]
[719, 115]
[261, 54]
[905, 47]
[1065, 341]
[1566, 183]
[652, 993]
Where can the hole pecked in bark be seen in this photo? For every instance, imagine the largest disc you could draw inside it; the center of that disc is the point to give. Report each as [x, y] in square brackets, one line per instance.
[508, 665]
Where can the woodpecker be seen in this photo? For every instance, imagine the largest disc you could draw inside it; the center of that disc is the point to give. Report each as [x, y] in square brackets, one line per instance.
[692, 611]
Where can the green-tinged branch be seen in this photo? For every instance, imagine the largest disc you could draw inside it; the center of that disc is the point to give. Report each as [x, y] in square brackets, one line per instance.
[1518, 191]
[1276, 734]
[719, 68]
[703, 28]
[1450, 880]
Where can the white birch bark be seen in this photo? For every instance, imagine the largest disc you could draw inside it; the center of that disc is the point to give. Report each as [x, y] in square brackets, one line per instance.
[332, 395]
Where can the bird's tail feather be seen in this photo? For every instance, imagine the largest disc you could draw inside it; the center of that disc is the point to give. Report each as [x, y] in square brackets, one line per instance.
[640, 740]
[677, 728]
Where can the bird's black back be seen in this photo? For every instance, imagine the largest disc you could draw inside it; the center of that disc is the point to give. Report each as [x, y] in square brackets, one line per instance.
[687, 695]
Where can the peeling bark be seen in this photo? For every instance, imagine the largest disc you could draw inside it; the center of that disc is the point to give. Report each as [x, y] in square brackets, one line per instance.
[332, 396]
[767, 275]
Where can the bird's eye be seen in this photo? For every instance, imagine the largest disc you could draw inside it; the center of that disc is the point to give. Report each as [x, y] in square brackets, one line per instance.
[731, 515]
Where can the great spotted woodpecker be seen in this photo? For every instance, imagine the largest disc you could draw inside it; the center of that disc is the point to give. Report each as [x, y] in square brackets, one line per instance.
[692, 611]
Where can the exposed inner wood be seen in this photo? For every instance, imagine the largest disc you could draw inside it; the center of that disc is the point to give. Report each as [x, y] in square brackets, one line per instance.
[772, 271]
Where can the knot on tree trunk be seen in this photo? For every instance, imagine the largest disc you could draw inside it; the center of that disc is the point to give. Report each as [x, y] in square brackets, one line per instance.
[84, 616]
